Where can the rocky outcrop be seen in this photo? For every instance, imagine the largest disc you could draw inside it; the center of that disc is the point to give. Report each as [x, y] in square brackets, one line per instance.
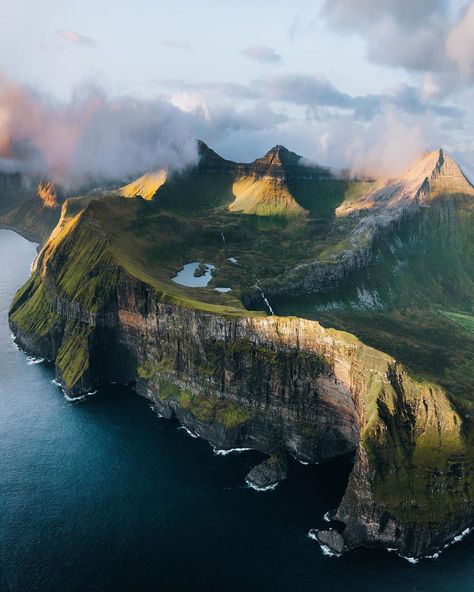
[145, 186]
[331, 540]
[47, 194]
[268, 473]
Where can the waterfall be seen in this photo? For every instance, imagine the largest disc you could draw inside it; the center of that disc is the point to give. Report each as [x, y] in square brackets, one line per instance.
[264, 298]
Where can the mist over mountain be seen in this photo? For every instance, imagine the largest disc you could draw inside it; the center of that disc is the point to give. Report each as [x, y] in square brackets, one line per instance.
[92, 137]
[96, 138]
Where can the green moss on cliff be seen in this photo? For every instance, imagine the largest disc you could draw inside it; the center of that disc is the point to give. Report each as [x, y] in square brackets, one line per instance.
[418, 453]
[73, 355]
[32, 309]
[465, 321]
[149, 370]
[205, 407]
[80, 264]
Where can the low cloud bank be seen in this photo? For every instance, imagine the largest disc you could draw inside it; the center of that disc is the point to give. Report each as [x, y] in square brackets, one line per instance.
[95, 138]
[92, 137]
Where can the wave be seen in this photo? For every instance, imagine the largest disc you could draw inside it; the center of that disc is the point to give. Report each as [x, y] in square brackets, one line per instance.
[77, 399]
[457, 539]
[257, 488]
[225, 452]
[15, 344]
[155, 411]
[72, 399]
[31, 360]
[189, 432]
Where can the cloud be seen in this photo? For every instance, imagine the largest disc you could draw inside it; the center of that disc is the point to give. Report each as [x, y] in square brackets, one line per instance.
[217, 120]
[301, 89]
[460, 43]
[421, 37]
[261, 54]
[77, 38]
[399, 33]
[173, 44]
[92, 137]
[349, 15]
[318, 94]
[386, 146]
[226, 89]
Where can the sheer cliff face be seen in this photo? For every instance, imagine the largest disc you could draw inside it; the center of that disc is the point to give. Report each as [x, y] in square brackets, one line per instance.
[242, 379]
[239, 382]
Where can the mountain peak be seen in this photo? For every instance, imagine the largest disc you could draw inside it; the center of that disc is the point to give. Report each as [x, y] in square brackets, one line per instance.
[279, 156]
[279, 148]
[440, 173]
[210, 160]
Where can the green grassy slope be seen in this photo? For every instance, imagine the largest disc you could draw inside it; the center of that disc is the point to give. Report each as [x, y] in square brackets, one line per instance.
[31, 219]
[21, 208]
[416, 301]
[195, 190]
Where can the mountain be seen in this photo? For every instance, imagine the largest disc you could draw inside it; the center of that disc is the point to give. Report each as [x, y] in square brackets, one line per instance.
[281, 183]
[261, 188]
[30, 206]
[380, 370]
[145, 186]
[407, 271]
[364, 218]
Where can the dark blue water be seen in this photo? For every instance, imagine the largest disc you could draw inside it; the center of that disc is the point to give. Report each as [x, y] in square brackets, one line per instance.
[104, 495]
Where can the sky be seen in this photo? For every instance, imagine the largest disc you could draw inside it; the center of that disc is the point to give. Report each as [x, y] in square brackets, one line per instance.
[110, 88]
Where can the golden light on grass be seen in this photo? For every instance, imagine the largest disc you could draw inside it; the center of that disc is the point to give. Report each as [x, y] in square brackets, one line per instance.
[47, 194]
[145, 186]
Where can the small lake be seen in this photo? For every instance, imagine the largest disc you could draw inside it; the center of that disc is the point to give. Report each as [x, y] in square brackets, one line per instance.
[186, 277]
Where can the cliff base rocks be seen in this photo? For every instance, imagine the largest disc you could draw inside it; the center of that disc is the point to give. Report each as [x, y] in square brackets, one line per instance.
[269, 473]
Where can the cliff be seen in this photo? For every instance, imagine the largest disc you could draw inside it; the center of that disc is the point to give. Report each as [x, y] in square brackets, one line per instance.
[28, 206]
[274, 384]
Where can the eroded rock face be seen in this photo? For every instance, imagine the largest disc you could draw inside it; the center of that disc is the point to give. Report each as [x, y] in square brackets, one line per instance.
[239, 382]
[332, 540]
[268, 473]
